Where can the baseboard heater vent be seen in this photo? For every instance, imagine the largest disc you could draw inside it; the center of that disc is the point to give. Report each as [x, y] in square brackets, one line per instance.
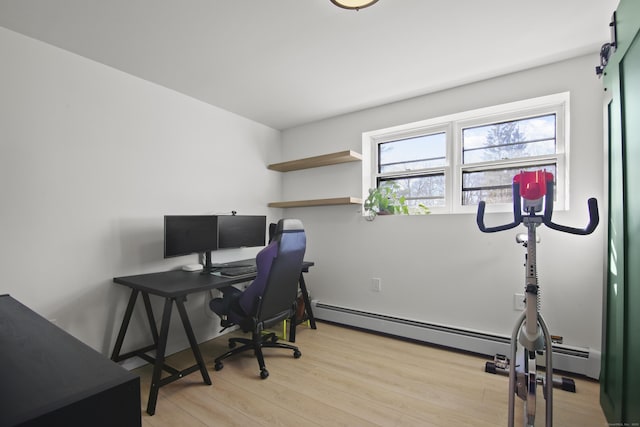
[578, 360]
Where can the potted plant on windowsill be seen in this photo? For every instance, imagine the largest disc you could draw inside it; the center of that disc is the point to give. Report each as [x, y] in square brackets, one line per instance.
[387, 200]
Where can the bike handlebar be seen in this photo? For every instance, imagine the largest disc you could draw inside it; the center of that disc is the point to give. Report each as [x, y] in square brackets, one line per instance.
[594, 217]
[517, 214]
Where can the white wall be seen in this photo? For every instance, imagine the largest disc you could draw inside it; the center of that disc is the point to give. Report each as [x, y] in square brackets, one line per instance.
[441, 268]
[92, 158]
[90, 161]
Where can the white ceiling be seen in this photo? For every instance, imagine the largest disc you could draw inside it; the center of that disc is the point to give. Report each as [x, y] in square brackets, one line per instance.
[289, 62]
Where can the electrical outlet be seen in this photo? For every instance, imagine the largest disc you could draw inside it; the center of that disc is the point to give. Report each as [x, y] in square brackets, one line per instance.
[376, 285]
[518, 302]
[557, 339]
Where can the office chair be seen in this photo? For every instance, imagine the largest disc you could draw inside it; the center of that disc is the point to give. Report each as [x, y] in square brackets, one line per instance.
[271, 297]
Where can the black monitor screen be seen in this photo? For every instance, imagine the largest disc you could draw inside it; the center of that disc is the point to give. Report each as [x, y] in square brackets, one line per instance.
[189, 234]
[237, 231]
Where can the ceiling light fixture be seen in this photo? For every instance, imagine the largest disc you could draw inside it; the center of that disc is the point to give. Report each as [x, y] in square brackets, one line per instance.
[353, 4]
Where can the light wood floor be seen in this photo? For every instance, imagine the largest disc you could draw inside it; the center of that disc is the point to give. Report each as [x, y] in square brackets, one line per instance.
[352, 378]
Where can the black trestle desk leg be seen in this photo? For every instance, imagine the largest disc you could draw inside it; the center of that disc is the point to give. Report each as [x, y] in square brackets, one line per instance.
[152, 320]
[115, 356]
[162, 346]
[307, 303]
[192, 340]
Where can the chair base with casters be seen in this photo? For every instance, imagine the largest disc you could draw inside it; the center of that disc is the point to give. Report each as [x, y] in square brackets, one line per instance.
[257, 342]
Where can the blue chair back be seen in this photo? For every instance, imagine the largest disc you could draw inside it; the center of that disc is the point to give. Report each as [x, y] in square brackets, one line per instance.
[278, 299]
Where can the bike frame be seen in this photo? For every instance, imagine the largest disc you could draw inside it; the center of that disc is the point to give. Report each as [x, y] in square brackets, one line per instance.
[532, 191]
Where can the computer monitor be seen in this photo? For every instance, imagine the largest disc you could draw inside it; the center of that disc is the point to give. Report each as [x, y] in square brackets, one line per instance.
[238, 231]
[190, 234]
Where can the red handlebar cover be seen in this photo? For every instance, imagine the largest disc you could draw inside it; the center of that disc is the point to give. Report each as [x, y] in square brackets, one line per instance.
[533, 185]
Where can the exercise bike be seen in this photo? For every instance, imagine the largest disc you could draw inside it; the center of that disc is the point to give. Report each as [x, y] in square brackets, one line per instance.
[533, 191]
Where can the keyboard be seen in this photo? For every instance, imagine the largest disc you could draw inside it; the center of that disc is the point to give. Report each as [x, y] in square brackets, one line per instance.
[238, 271]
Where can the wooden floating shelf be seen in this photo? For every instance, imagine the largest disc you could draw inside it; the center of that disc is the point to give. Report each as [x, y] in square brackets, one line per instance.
[317, 202]
[317, 161]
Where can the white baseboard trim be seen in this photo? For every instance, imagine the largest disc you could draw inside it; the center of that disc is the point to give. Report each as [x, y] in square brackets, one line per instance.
[582, 361]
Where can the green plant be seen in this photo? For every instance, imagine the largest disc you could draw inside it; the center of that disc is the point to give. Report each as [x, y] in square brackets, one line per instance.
[387, 200]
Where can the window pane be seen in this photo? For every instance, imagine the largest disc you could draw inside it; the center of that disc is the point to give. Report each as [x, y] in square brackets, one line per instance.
[534, 136]
[494, 186]
[425, 189]
[412, 153]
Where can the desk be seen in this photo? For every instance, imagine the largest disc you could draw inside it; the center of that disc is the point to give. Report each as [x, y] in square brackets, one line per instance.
[174, 286]
[50, 378]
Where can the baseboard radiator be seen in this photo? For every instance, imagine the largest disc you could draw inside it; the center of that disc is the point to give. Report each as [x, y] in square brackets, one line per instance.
[583, 361]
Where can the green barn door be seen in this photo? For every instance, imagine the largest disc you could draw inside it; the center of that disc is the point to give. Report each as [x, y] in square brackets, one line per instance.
[620, 376]
[630, 78]
[611, 377]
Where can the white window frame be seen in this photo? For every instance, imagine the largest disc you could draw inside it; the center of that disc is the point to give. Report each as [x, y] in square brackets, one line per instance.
[453, 169]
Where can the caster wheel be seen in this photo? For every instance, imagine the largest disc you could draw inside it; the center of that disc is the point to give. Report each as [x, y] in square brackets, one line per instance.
[297, 354]
[264, 374]
[218, 366]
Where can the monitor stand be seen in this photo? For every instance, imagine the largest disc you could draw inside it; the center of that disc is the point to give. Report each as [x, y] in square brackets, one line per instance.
[208, 265]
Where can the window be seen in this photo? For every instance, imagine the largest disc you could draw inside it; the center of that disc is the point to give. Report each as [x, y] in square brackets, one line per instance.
[415, 165]
[452, 163]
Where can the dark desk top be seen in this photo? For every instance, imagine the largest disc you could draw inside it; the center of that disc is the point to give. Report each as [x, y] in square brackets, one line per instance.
[177, 283]
[44, 368]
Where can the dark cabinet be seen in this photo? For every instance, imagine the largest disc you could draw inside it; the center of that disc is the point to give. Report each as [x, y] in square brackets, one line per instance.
[50, 378]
